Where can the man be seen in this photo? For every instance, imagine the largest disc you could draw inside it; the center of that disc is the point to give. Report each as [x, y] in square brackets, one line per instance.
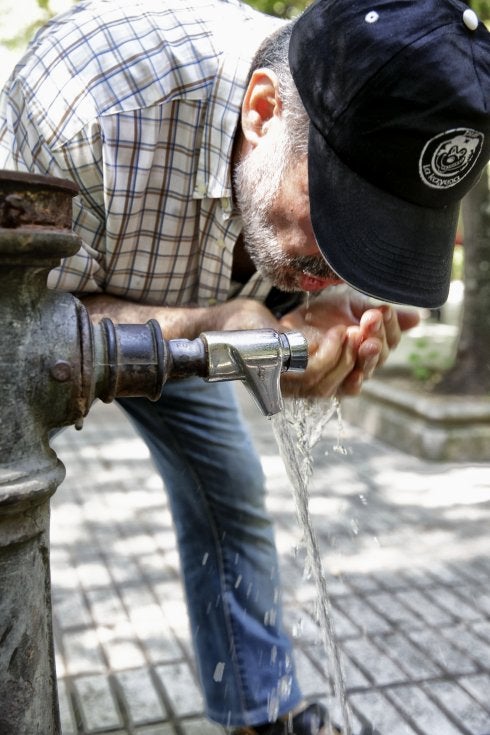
[216, 187]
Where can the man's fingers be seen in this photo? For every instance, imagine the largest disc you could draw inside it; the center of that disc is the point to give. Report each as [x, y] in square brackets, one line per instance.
[369, 356]
[352, 385]
[382, 324]
[331, 357]
[407, 318]
[332, 379]
[391, 327]
[341, 358]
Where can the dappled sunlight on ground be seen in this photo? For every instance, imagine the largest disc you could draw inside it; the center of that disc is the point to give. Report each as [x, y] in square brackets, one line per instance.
[405, 551]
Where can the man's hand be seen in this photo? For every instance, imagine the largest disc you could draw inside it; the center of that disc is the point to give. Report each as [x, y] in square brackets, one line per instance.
[348, 338]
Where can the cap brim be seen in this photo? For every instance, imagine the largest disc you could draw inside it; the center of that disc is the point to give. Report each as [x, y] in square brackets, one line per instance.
[381, 245]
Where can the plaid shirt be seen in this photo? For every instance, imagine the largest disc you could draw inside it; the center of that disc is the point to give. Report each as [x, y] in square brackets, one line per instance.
[138, 102]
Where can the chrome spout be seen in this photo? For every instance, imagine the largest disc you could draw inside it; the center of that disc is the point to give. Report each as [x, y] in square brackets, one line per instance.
[255, 357]
[136, 360]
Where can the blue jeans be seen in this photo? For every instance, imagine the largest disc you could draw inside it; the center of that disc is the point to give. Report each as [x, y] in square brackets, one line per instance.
[215, 484]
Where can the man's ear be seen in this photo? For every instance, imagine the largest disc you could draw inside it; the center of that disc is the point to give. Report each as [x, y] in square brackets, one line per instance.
[260, 105]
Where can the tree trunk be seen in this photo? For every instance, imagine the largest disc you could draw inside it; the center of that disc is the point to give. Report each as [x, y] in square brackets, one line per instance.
[470, 374]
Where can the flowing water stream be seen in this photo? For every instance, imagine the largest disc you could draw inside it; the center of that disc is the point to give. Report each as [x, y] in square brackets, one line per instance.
[297, 429]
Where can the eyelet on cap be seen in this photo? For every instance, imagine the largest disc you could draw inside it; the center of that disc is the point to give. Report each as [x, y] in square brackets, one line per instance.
[470, 19]
[371, 17]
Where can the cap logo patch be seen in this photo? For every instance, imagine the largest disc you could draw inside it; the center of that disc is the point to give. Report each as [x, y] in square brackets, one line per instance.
[448, 157]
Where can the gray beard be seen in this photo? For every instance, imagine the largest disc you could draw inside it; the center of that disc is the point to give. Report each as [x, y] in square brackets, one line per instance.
[258, 178]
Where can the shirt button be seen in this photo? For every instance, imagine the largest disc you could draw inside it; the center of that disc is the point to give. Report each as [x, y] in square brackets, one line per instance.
[220, 242]
[212, 302]
[200, 188]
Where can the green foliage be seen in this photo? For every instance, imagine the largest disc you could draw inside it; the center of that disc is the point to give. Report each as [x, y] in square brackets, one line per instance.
[281, 8]
[21, 39]
[481, 8]
[426, 361]
[15, 37]
[458, 264]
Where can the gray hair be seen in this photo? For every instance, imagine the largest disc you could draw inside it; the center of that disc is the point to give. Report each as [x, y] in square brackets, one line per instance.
[273, 54]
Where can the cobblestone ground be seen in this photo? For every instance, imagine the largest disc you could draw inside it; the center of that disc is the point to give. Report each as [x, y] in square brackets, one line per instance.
[405, 548]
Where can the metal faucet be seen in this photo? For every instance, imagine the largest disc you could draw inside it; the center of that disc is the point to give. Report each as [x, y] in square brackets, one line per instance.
[256, 357]
[129, 355]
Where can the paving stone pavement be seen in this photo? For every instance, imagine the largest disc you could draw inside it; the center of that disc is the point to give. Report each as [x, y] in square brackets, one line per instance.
[404, 545]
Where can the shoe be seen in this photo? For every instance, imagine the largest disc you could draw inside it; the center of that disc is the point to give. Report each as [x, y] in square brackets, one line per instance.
[313, 720]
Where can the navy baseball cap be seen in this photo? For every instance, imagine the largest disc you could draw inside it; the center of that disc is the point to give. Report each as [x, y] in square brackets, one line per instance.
[398, 97]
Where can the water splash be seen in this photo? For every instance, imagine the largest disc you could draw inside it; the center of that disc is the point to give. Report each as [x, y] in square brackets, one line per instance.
[297, 429]
[219, 671]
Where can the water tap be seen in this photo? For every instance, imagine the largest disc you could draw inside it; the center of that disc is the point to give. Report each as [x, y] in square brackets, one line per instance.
[136, 360]
[256, 357]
